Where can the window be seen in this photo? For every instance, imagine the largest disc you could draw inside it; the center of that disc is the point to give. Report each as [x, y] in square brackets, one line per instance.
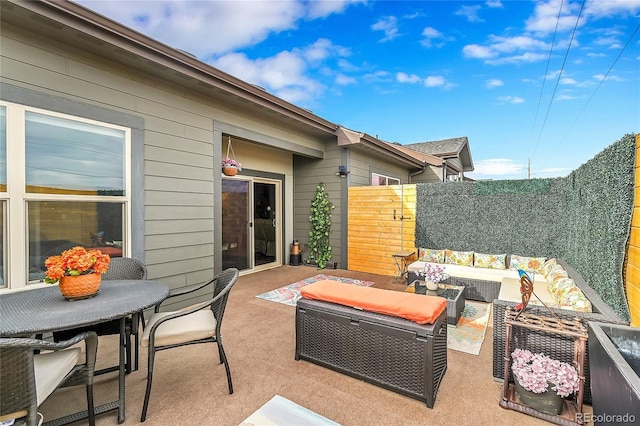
[67, 184]
[382, 180]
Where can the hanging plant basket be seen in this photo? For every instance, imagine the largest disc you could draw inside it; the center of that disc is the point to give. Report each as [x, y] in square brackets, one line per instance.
[230, 166]
[229, 170]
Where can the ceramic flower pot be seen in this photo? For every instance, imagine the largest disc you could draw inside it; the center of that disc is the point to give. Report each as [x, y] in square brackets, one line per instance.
[547, 402]
[431, 286]
[80, 287]
[230, 171]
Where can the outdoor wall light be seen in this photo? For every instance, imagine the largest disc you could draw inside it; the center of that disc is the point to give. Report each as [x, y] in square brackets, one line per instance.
[342, 171]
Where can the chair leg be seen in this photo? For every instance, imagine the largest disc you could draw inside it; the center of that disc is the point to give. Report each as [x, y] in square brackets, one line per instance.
[137, 350]
[127, 347]
[223, 360]
[147, 394]
[90, 406]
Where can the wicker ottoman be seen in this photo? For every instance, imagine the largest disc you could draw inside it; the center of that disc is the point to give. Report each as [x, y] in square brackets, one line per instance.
[394, 353]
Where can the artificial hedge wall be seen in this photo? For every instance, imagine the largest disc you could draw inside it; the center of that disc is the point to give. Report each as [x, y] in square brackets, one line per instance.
[583, 218]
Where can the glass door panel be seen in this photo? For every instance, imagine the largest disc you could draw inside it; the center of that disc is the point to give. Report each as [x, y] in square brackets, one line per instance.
[266, 220]
[235, 217]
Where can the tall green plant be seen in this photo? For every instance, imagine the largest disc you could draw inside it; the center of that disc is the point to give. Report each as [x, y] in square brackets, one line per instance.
[320, 219]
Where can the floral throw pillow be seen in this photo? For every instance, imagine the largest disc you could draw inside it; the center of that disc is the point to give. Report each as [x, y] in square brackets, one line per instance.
[529, 264]
[430, 255]
[463, 258]
[548, 266]
[490, 261]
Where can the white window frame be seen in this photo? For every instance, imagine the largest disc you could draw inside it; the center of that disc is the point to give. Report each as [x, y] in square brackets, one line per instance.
[374, 176]
[16, 196]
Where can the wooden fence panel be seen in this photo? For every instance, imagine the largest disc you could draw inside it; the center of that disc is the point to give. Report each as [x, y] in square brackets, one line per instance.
[381, 223]
[632, 267]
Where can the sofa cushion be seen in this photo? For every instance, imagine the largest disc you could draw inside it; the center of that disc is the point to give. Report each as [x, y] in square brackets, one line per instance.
[463, 258]
[490, 261]
[529, 264]
[430, 255]
[510, 291]
[548, 266]
[414, 307]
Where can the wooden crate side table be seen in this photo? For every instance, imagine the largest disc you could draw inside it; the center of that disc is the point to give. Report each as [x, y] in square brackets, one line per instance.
[570, 328]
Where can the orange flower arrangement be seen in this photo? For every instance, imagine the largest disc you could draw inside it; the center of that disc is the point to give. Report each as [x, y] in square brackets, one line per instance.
[74, 262]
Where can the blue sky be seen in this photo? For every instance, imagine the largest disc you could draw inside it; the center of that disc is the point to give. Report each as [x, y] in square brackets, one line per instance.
[549, 82]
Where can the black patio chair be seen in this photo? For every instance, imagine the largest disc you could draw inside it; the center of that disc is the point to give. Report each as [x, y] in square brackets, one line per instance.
[200, 323]
[120, 268]
[26, 379]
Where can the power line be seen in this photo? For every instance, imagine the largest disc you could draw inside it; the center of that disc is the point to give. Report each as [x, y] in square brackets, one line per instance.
[544, 80]
[575, 28]
[595, 91]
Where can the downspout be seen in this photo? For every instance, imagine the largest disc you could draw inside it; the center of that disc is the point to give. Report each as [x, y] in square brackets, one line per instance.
[419, 172]
[444, 170]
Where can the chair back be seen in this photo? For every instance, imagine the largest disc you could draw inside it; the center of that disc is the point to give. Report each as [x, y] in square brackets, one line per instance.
[223, 283]
[125, 268]
[17, 381]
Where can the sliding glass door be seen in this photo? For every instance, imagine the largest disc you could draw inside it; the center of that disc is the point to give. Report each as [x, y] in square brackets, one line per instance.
[251, 223]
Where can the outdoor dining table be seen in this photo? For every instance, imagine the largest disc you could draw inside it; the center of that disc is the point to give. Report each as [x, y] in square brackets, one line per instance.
[25, 313]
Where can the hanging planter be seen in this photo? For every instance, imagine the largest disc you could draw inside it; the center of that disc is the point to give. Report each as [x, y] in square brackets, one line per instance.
[230, 166]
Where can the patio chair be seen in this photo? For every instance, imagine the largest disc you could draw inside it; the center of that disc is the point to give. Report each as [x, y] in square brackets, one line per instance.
[120, 268]
[199, 323]
[26, 380]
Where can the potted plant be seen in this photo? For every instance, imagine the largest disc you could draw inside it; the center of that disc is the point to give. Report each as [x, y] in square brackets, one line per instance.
[78, 271]
[433, 274]
[542, 382]
[230, 167]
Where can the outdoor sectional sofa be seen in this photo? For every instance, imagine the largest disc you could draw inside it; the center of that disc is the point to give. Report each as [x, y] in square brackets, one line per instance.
[483, 284]
[384, 349]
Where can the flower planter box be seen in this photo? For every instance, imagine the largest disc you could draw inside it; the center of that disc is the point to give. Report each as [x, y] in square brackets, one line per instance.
[614, 351]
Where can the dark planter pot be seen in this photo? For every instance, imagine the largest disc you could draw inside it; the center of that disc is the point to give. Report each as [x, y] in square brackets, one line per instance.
[614, 360]
[547, 402]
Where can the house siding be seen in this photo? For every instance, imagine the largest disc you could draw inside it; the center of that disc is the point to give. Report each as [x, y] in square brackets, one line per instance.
[181, 155]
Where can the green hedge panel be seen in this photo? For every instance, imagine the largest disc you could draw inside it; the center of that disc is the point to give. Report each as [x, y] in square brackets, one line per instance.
[584, 218]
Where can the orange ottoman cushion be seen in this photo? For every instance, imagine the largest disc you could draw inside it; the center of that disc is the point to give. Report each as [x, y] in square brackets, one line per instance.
[414, 307]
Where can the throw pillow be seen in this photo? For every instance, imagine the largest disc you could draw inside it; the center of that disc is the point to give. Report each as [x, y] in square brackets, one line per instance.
[548, 266]
[490, 261]
[430, 255]
[529, 264]
[463, 258]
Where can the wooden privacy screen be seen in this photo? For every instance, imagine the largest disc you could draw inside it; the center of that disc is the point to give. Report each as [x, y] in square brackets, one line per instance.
[381, 222]
[632, 267]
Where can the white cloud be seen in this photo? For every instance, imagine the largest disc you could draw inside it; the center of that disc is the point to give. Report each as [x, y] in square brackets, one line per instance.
[402, 77]
[284, 74]
[432, 36]
[546, 20]
[224, 25]
[388, 25]
[600, 8]
[324, 8]
[478, 52]
[493, 83]
[435, 81]
[470, 12]
[511, 99]
[499, 167]
[568, 81]
[494, 3]
[344, 80]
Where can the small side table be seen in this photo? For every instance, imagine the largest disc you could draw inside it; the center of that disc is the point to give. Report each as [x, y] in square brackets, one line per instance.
[401, 259]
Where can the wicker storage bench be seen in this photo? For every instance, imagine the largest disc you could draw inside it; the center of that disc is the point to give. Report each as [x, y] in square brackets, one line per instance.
[394, 353]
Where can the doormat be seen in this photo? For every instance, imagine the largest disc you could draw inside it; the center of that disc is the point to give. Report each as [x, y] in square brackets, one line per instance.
[279, 411]
[469, 333]
[290, 294]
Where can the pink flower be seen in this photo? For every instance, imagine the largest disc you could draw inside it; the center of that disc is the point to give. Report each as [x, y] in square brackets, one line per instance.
[535, 372]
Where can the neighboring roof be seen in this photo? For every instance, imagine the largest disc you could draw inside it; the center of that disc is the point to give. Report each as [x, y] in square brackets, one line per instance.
[427, 158]
[447, 148]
